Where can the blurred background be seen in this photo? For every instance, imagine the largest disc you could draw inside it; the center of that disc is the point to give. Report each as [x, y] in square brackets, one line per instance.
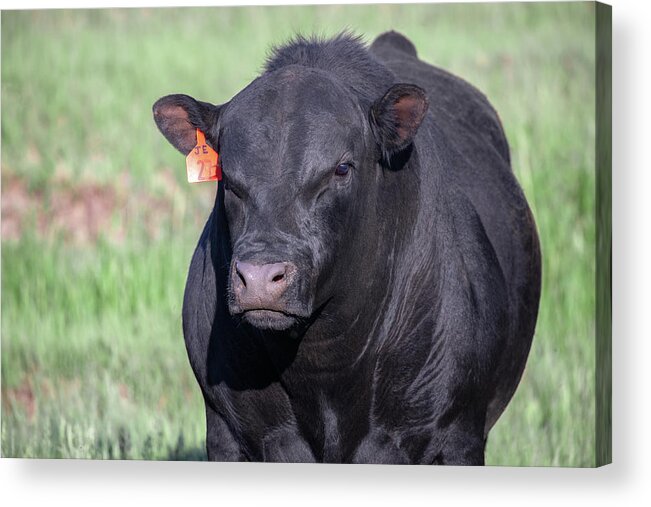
[98, 223]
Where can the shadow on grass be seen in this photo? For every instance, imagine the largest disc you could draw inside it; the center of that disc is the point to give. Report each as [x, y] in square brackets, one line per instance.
[152, 449]
[181, 452]
[190, 454]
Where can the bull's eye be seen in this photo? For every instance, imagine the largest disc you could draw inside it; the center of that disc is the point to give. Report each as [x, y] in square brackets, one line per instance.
[342, 169]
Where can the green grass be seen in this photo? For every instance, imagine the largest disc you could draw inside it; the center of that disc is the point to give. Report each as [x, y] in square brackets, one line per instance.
[93, 361]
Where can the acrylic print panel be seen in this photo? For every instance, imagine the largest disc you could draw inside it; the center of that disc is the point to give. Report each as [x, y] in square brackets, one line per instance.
[368, 280]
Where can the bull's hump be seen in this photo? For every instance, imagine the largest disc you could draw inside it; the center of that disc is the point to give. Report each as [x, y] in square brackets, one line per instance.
[392, 42]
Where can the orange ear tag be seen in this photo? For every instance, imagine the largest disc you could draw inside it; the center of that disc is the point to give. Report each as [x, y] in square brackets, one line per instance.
[202, 163]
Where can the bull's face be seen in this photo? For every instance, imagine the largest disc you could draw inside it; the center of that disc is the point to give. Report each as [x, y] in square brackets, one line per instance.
[299, 155]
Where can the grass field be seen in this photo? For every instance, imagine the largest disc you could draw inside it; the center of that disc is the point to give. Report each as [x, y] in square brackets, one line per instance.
[98, 225]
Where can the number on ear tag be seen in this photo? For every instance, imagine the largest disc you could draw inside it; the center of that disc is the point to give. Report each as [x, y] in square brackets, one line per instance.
[202, 163]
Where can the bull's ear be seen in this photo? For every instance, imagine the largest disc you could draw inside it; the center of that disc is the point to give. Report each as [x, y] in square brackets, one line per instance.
[395, 117]
[178, 117]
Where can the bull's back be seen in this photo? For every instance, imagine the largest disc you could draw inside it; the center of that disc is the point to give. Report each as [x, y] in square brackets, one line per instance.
[479, 164]
[453, 101]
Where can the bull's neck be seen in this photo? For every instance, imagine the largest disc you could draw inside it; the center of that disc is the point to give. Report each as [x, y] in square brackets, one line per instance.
[345, 333]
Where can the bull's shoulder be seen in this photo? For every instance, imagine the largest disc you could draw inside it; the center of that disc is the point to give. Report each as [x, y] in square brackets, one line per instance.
[451, 268]
[199, 304]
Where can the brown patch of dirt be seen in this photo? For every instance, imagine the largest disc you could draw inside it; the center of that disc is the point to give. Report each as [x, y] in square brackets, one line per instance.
[16, 202]
[21, 396]
[123, 389]
[83, 211]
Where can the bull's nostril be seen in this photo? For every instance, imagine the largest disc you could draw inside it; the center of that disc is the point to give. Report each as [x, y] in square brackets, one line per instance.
[239, 274]
[276, 272]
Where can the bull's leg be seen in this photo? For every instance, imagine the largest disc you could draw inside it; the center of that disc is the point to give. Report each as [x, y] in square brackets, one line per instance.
[285, 445]
[464, 444]
[379, 447]
[220, 443]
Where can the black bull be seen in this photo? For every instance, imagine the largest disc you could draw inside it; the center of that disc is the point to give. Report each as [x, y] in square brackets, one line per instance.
[366, 287]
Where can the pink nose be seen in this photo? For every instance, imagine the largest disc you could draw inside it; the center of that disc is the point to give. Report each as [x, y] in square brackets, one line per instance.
[261, 286]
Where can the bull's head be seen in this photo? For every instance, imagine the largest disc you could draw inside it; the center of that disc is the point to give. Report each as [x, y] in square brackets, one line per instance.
[299, 153]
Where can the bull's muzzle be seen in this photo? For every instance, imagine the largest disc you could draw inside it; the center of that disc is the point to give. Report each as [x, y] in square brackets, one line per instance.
[261, 286]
